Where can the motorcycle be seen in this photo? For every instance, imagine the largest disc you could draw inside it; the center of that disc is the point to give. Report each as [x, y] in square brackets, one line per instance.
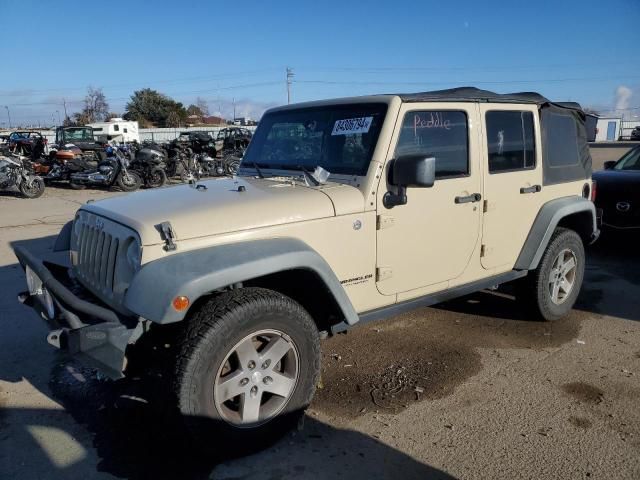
[149, 164]
[112, 171]
[15, 171]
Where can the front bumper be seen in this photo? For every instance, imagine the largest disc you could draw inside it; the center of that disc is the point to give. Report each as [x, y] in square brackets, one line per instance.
[79, 325]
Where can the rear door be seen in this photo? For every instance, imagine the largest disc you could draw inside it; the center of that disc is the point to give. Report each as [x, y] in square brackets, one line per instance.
[512, 181]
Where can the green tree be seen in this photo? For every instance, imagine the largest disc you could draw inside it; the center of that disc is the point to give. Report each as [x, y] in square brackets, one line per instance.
[149, 106]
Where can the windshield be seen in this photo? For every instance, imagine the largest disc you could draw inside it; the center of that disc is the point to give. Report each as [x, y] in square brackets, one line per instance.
[339, 138]
[630, 161]
[78, 134]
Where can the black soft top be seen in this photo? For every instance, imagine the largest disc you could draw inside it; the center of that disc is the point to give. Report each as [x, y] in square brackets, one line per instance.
[472, 94]
[566, 155]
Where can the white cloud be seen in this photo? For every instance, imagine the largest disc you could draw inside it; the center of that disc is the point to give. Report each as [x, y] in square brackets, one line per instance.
[623, 97]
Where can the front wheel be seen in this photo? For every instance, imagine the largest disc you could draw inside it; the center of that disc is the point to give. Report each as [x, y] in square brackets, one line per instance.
[247, 370]
[34, 189]
[129, 181]
[551, 290]
[156, 178]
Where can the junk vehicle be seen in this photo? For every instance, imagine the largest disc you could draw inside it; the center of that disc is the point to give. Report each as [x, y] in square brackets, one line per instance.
[114, 170]
[16, 171]
[74, 141]
[149, 164]
[343, 211]
[27, 143]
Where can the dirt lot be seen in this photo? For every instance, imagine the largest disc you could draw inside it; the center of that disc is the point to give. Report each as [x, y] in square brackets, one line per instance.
[470, 389]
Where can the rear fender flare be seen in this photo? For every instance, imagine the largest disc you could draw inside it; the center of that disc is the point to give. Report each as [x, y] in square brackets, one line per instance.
[547, 220]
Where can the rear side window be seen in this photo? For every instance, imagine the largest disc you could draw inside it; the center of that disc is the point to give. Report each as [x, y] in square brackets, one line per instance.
[562, 147]
[442, 134]
[510, 141]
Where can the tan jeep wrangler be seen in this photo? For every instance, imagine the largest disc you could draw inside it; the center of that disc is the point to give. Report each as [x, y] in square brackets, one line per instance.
[343, 211]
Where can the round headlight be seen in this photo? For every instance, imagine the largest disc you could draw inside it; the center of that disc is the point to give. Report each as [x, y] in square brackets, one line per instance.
[134, 255]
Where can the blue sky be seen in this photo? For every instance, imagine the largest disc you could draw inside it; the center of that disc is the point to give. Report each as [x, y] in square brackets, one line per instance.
[565, 49]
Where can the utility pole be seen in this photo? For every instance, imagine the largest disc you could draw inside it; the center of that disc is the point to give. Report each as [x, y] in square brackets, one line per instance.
[59, 122]
[64, 102]
[8, 115]
[290, 75]
[234, 109]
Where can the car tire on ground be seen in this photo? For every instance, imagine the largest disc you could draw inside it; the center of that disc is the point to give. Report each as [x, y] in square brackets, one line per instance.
[247, 369]
[551, 290]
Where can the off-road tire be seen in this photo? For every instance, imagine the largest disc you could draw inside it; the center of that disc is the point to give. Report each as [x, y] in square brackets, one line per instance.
[533, 290]
[35, 190]
[212, 331]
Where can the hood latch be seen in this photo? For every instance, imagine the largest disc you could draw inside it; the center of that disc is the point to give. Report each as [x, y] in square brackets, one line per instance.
[169, 235]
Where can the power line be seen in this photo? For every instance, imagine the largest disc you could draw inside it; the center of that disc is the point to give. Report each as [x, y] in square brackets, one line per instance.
[468, 82]
[50, 91]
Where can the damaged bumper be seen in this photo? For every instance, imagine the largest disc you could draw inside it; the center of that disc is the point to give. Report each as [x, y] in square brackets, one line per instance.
[79, 324]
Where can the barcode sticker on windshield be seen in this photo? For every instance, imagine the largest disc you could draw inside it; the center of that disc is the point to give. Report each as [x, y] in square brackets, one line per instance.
[349, 126]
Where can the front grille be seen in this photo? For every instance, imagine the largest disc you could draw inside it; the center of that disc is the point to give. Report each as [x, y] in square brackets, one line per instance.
[97, 254]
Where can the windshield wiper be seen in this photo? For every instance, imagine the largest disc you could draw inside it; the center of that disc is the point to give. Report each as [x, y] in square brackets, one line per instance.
[255, 165]
[308, 175]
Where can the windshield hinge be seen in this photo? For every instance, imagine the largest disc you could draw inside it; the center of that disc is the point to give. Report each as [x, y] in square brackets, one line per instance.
[168, 235]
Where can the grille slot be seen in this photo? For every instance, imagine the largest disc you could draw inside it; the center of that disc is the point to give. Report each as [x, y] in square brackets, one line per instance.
[97, 254]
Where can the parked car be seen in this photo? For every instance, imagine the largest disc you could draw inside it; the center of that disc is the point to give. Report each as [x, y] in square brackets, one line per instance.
[343, 211]
[635, 133]
[618, 192]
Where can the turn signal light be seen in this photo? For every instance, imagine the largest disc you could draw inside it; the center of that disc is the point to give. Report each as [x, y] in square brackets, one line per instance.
[180, 303]
[594, 189]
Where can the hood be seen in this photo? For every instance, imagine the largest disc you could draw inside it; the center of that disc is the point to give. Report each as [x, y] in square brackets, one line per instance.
[226, 205]
[617, 182]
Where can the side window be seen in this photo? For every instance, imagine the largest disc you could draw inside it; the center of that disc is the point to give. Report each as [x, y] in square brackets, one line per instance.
[125, 129]
[442, 134]
[116, 128]
[511, 141]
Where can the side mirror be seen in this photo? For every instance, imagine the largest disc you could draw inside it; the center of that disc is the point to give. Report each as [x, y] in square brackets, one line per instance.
[409, 171]
[610, 164]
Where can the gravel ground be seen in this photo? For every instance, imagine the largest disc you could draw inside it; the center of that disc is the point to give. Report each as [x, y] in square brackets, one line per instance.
[470, 389]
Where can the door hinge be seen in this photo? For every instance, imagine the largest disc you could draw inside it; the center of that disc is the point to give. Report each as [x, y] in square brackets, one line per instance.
[383, 273]
[485, 251]
[385, 221]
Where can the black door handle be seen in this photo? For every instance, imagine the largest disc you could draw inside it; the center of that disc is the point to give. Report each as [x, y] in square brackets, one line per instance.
[531, 189]
[474, 197]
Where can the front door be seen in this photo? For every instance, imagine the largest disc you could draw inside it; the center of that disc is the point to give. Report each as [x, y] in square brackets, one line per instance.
[611, 131]
[430, 240]
[512, 181]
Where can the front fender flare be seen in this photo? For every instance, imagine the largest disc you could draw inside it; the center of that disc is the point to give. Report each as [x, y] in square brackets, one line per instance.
[199, 272]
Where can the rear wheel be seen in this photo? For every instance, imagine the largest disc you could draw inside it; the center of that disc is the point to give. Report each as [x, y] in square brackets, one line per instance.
[552, 289]
[247, 369]
[34, 189]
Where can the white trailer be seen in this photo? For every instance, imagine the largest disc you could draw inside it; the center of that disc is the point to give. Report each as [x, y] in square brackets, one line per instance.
[116, 129]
